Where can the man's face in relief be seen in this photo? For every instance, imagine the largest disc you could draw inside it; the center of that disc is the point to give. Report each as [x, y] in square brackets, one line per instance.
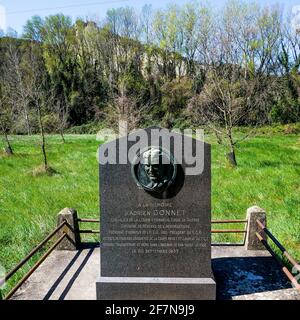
[152, 161]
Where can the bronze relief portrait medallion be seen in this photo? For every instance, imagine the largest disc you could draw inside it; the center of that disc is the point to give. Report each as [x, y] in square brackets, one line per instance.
[154, 170]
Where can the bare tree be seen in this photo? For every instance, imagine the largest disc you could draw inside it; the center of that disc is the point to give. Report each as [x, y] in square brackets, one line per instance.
[15, 78]
[146, 24]
[38, 100]
[191, 21]
[127, 111]
[40, 96]
[5, 120]
[237, 81]
[223, 105]
[288, 66]
[62, 110]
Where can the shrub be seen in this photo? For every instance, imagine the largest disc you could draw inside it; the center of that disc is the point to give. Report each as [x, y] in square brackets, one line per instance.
[51, 123]
[89, 128]
[176, 95]
[20, 127]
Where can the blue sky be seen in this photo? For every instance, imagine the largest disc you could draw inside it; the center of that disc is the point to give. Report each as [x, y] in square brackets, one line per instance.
[19, 11]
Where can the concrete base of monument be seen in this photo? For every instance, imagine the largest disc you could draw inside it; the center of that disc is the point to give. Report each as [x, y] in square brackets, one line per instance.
[121, 288]
[239, 274]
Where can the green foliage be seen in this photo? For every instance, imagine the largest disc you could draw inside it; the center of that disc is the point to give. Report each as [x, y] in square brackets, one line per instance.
[286, 111]
[88, 66]
[133, 81]
[175, 95]
[33, 29]
[51, 123]
[90, 128]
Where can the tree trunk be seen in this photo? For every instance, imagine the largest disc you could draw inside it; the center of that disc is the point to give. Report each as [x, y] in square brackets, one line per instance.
[62, 135]
[219, 138]
[231, 156]
[8, 148]
[27, 121]
[43, 139]
[44, 153]
[61, 116]
[28, 126]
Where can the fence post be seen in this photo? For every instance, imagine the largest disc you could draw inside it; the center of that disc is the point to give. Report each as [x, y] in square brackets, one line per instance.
[72, 242]
[252, 242]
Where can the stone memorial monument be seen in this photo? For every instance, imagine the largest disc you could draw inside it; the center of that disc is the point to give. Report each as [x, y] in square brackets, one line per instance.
[155, 221]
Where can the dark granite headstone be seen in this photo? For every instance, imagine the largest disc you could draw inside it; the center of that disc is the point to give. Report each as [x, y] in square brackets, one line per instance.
[156, 245]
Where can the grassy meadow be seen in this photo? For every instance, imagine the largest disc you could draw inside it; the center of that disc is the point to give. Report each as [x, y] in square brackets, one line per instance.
[268, 175]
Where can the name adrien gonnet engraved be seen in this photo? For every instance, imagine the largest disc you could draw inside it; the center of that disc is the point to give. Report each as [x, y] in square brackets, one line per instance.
[162, 212]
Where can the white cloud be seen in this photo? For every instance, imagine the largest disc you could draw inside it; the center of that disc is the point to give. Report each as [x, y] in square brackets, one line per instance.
[2, 18]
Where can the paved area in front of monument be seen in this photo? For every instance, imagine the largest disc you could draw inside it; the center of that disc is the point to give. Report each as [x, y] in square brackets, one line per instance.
[240, 275]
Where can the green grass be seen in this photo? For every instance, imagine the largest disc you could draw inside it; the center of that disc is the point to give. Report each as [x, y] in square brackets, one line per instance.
[29, 204]
[268, 175]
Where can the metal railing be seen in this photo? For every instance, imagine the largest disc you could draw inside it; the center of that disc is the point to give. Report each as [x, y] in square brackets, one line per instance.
[88, 221]
[215, 231]
[230, 231]
[64, 235]
[10, 274]
[65, 224]
[284, 252]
